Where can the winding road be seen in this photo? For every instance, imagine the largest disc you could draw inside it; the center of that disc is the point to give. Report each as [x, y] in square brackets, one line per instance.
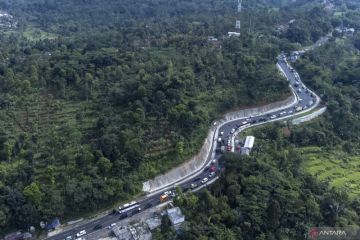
[306, 100]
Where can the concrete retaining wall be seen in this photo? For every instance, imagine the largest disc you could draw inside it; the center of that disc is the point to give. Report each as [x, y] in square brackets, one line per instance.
[194, 164]
[308, 117]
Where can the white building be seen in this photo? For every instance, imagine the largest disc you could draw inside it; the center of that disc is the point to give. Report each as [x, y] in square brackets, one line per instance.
[233, 34]
[248, 145]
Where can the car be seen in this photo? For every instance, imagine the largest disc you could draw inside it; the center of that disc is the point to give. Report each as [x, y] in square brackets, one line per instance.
[167, 193]
[68, 238]
[111, 225]
[273, 116]
[211, 174]
[290, 112]
[122, 216]
[170, 193]
[197, 179]
[305, 107]
[232, 131]
[97, 227]
[262, 120]
[213, 161]
[221, 133]
[299, 90]
[193, 185]
[253, 121]
[149, 205]
[136, 210]
[204, 180]
[81, 233]
[80, 238]
[244, 122]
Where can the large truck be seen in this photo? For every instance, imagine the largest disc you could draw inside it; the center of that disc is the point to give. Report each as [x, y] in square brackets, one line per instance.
[164, 198]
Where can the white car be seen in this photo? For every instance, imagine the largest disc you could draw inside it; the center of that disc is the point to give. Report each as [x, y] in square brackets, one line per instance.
[211, 174]
[213, 161]
[111, 226]
[290, 112]
[273, 116]
[221, 133]
[80, 238]
[68, 238]
[204, 180]
[232, 130]
[81, 233]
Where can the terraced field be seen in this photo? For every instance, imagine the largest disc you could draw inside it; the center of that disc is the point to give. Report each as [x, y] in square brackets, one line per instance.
[335, 167]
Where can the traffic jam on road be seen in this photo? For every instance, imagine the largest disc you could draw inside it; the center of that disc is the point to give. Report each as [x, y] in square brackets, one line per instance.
[306, 99]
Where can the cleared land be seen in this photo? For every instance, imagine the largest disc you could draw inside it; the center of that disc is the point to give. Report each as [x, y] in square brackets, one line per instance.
[335, 167]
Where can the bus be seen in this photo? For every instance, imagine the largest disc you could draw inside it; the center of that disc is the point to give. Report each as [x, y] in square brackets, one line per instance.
[128, 206]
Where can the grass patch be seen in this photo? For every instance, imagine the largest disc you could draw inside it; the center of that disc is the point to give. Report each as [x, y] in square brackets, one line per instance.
[337, 168]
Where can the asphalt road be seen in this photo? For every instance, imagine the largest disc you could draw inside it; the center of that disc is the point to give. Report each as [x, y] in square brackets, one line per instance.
[307, 100]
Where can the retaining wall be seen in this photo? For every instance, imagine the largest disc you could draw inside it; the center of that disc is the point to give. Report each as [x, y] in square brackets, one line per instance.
[194, 164]
[309, 117]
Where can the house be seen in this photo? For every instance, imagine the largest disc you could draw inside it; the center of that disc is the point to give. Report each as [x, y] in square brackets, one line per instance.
[233, 34]
[175, 215]
[137, 231]
[291, 21]
[18, 236]
[345, 30]
[212, 39]
[153, 222]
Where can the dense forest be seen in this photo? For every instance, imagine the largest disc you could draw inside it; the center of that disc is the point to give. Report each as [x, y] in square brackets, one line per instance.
[90, 108]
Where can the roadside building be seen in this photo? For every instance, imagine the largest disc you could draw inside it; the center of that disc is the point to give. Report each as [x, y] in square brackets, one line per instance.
[176, 217]
[233, 34]
[137, 231]
[18, 236]
[153, 222]
[212, 39]
[248, 145]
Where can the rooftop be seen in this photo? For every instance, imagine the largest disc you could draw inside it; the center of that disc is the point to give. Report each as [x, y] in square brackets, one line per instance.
[175, 215]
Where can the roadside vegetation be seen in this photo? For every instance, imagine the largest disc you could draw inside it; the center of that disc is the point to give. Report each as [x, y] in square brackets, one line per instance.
[92, 106]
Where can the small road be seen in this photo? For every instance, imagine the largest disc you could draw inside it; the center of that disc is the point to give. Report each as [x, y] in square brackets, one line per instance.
[306, 100]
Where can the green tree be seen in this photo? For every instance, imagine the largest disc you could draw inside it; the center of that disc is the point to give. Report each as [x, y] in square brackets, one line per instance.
[33, 193]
